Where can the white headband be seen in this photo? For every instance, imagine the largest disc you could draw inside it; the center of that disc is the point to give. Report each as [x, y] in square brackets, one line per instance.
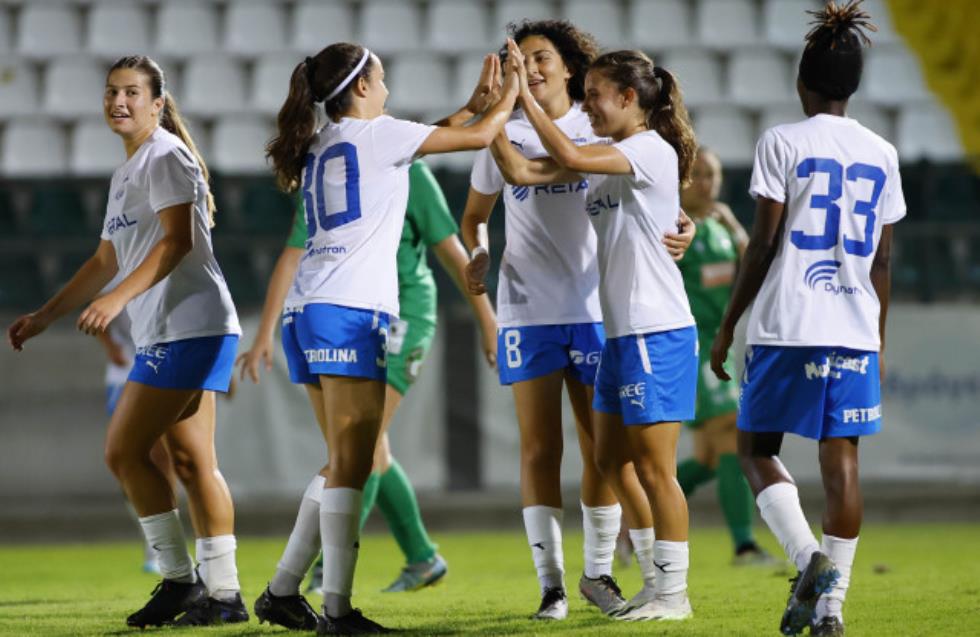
[349, 78]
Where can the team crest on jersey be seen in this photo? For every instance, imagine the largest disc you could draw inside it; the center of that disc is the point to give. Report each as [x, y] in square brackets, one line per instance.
[821, 276]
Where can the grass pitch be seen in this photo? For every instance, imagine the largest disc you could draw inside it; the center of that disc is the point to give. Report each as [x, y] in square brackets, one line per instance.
[908, 580]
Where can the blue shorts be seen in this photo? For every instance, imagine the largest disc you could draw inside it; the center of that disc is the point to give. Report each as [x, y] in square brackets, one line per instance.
[334, 340]
[193, 363]
[817, 392]
[649, 378]
[532, 351]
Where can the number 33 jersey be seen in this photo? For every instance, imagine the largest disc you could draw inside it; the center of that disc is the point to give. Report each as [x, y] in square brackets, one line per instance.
[355, 190]
[840, 185]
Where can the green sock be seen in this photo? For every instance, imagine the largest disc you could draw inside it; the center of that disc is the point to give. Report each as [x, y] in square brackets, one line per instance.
[737, 502]
[396, 499]
[691, 474]
[370, 496]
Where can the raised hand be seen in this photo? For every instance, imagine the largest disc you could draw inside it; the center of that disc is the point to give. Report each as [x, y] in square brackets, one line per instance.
[515, 70]
[487, 90]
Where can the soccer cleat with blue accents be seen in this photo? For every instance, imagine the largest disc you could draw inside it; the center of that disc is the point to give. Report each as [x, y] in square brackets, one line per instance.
[168, 600]
[214, 612]
[419, 575]
[817, 578]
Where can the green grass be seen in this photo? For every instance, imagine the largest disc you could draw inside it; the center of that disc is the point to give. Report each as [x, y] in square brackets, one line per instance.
[908, 580]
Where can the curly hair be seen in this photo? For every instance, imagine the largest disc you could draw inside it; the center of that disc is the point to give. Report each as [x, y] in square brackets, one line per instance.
[833, 59]
[577, 48]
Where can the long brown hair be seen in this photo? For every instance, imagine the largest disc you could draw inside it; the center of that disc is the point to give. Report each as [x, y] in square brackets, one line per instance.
[659, 97]
[312, 81]
[170, 118]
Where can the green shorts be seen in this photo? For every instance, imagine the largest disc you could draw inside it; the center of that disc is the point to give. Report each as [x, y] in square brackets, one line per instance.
[409, 340]
[716, 397]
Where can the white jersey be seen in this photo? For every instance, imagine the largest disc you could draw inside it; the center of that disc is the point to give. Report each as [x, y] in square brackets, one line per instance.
[193, 300]
[641, 288]
[355, 192]
[548, 274]
[840, 184]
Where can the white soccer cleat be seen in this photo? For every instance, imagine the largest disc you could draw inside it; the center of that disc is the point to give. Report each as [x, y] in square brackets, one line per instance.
[673, 607]
[554, 605]
[646, 594]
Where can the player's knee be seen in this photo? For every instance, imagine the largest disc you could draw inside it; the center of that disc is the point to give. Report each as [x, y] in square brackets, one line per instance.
[120, 460]
[540, 456]
[609, 465]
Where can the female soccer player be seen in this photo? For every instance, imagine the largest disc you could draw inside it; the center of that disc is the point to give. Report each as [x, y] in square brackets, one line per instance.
[817, 266]
[648, 370]
[353, 174]
[428, 223]
[708, 269]
[550, 327]
[157, 235]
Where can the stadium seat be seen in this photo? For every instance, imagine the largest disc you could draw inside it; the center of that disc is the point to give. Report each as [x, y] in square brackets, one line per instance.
[779, 114]
[507, 11]
[759, 77]
[390, 26]
[927, 131]
[46, 29]
[266, 210]
[19, 91]
[21, 284]
[726, 23]
[317, 24]
[74, 87]
[786, 22]
[253, 27]
[893, 76]
[458, 26]
[467, 73]
[239, 144]
[872, 117]
[213, 85]
[117, 28]
[5, 26]
[698, 72]
[728, 131]
[881, 18]
[656, 24]
[601, 18]
[95, 150]
[58, 211]
[419, 83]
[185, 28]
[270, 81]
[33, 148]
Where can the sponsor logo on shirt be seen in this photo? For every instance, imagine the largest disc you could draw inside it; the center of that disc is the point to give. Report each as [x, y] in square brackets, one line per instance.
[604, 203]
[330, 355]
[869, 414]
[521, 193]
[119, 222]
[635, 392]
[820, 276]
[332, 250]
[832, 366]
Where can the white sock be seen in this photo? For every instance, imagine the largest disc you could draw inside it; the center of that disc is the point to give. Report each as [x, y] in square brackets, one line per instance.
[842, 552]
[216, 566]
[165, 534]
[600, 525]
[643, 540]
[303, 543]
[149, 555]
[779, 505]
[340, 511]
[671, 559]
[543, 527]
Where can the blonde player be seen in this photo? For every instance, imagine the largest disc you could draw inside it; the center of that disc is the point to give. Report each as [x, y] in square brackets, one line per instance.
[157, 236]
[817, 266]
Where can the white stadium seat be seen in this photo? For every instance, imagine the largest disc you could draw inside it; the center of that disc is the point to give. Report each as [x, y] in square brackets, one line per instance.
[5, 27]
[73, 87]
[270, 81]
[872, 117]
[317, 24]
[727, 131]
[657, 24]
[118, 28]
[458, 26]
[185, 28]
[391, 26]
[726, 23]
[779, 114]
[927, 131]
[239, 145]
[759, 77]
[507, 11]
[698, 72]
[46, 29]
[253, 27]
[95, 150]
[881, 18]
[213, 85]
[419, 83]
[892, 76]
[601, 18]
[786, 22]
[33, 148]
[19, 92]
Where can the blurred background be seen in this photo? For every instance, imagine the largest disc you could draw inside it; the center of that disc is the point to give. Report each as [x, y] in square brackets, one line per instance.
[228, 64]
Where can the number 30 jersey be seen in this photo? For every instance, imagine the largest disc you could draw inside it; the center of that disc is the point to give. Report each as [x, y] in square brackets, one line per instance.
[840, 184]
[355, 189]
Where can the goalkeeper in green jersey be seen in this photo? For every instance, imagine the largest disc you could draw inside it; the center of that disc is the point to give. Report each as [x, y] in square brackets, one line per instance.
[708, 269]
[428, 224]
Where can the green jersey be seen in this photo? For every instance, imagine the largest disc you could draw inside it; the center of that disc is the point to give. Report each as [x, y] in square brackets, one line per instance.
[427, 222]
[708, 268]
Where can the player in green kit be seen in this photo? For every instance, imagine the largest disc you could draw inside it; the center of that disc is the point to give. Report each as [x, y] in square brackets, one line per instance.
[708, 269]
[428, 224]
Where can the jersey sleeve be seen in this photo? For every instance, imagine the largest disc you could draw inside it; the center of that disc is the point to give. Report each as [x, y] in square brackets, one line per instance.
[893, 206]
[397, 141]
[770, 168]
[172, 179]
[427, 205]
[297, 234]
[648, 156]
[485, 177]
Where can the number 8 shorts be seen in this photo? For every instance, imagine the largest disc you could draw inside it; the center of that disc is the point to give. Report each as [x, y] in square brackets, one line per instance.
[334, 340]
[532, 351]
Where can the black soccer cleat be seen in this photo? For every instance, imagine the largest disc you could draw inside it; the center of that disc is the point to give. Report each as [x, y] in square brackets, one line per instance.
[167, 600]
[829, 626]
[353, 623]
[209, 611]
[290, 611]
[817, 578]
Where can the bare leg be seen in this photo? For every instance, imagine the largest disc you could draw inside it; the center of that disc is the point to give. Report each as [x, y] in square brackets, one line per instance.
[759, 455]
[839, 469]
[538, 404]
[596, 491]
[655, 458]
[614, 459]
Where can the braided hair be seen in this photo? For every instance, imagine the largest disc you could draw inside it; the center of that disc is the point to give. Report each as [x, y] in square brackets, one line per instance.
[833, 59]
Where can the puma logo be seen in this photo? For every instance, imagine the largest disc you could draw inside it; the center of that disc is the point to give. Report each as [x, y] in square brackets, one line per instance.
[538, 545]
[662, 567]
[637, 402]
[154, 366]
